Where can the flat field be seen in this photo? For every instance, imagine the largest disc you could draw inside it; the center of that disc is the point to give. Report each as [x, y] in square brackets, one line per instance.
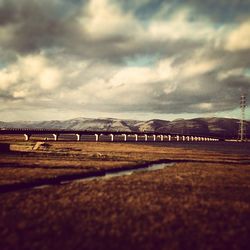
[201, 201]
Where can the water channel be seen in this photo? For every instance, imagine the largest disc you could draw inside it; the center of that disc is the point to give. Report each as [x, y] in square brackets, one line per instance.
[109, 175]
[83, 177]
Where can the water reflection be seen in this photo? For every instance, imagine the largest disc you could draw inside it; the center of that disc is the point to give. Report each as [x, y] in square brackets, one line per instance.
[116, 173]
[151, 167]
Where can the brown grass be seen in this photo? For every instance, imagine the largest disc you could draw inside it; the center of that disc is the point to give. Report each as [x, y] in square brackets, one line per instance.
[192, 205]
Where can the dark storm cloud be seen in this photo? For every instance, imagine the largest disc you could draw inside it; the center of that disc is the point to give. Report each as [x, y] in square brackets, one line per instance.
[237, 83]
[12, 11]
[7, 97]
[35, 25]
[38, 25]
[46, 25]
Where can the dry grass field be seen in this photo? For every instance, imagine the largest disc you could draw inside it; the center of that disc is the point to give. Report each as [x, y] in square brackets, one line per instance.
[200, 202]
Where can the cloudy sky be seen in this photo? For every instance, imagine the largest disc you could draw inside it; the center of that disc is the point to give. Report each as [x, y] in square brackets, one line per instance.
[137, 59]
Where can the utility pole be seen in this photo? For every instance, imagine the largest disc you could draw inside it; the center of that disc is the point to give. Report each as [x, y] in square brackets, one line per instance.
[242, 127]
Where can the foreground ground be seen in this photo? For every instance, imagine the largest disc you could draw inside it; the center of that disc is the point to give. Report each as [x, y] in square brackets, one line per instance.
[201, 202]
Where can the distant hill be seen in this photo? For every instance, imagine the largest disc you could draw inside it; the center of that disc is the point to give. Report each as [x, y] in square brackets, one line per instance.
[223, 127]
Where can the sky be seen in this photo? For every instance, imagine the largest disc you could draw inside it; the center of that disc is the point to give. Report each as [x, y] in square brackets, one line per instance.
[129, 59]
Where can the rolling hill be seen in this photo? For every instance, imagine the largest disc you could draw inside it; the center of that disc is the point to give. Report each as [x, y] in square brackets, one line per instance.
[223, 127]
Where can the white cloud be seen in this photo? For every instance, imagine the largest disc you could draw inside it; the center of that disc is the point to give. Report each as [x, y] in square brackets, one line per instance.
[102, 20]
[20, 94]
[132, 75]
[50, 78]
[129, 85]
[204, 106]
[239, 38]
[31, 66]
[165, 70]
[228, 73]
[179, 27]
[162, 71]
[29, 74]
[198, 67]
[7, 78]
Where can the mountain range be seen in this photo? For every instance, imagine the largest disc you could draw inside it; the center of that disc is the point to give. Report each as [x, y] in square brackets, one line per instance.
[223, 127]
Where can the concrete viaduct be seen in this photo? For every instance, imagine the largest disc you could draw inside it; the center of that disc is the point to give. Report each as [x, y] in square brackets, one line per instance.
[113, 136]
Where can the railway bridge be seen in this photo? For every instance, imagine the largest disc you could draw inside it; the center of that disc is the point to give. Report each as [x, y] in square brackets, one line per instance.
[79, 135]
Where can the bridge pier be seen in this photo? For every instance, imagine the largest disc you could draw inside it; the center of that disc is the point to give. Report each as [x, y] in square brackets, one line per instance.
[146, 137]
[112, 137]
[169, 137]
[162, 137]
[55, 137]
[125, 137]
[136, 137]
[26, 137]
[154, 137]
[96, 137]
[183, 138]
[177, 138]
[78, 137]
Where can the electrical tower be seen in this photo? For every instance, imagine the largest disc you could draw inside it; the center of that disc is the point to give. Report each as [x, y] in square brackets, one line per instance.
[242, 126]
